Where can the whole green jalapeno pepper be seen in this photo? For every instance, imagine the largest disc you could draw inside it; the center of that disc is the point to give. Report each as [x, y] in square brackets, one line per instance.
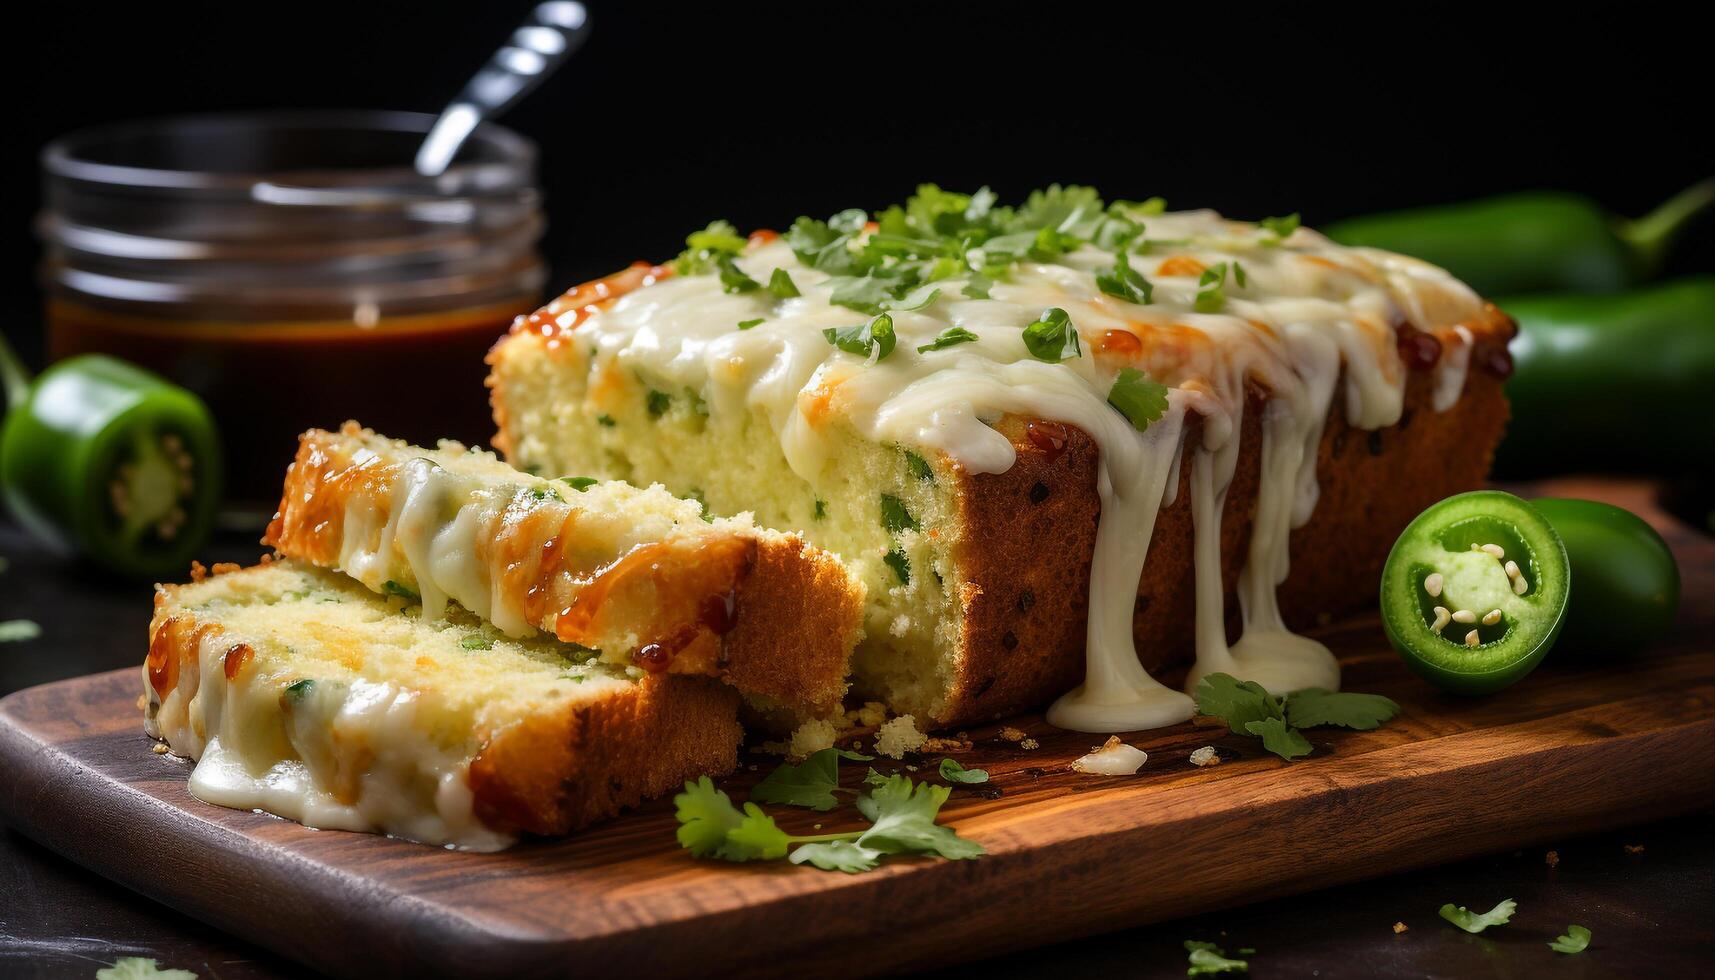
[1541, 241]
[1627, 578]
[106, 459]
[1613, 383]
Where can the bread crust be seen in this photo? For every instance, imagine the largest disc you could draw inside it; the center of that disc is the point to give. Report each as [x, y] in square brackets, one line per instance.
[1028, 536]
[556, 773]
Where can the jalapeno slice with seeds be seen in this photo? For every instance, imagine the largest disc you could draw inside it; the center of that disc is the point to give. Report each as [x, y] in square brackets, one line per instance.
[106, 459]
[1475, 591]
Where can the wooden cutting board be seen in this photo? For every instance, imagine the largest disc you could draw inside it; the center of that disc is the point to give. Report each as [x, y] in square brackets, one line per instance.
[1568, 750]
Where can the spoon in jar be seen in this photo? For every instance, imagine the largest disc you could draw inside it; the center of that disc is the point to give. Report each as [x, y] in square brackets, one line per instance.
[540, 45]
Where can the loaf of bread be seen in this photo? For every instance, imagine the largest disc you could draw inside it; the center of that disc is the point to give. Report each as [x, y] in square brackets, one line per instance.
[634, 575]
[1098, 455]
[300, 692]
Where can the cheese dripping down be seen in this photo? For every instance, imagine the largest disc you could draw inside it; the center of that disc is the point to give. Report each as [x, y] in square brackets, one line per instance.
[1312, 321]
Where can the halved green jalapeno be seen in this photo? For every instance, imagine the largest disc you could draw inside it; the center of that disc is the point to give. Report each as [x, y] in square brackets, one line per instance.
[106, 459]
[1475, 591]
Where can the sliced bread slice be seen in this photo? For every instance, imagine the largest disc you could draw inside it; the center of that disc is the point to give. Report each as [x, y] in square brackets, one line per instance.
[304, 694]
[636, 575]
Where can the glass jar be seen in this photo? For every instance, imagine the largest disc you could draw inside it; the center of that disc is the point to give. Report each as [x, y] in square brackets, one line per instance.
[293, 270]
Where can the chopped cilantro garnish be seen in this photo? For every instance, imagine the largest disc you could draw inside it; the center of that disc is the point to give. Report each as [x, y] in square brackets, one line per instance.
[1052, 337]
[747, 324]
[977, 287]
[811, 783]
[1280, 738]
[919, 467]
[1141, 400]
[1576, 940]
[391, 587]
[696, 493]
[733, 279]
[1125, 282]
[874, 338]
[605, 421]
[1248, 709]
[1474, 922]
[821, 511]
[19, 630]
[540, 493]
[950, 337]
[900, 564]
[1208, 959]
[1313, 706]
[699, 404]
[579, 483]
[1210, 289]
[299, 690]
[476, 641]
[952, 772]
[901, 815]
[781, 286]
[895, 517]
[658, 402]
[1281, 227]
[707, 248]
[140, 968]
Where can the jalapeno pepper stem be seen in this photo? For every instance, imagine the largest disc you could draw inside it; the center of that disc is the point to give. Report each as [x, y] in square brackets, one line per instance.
[13, 374]
[1652, 235]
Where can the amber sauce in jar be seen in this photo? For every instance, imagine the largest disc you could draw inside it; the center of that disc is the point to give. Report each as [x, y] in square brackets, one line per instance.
[293, 271]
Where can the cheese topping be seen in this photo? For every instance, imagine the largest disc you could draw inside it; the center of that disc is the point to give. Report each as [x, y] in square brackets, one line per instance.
[1308, 320]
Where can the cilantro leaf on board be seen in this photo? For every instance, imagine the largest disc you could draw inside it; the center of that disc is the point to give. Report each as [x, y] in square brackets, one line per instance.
[853, 756]
[1313, 707]
[903, 821]
[952, 772]
[1052, 337]
[141, 968]
[837, 855]
[1140, 399]
[1576, 940]
[1475, 922]
[1236, 702]
[706, 815]
[810, 783]
[1280, 738]
[1208, 959]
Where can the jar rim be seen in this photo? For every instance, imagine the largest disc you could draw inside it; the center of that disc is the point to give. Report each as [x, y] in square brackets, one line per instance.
[494, 158]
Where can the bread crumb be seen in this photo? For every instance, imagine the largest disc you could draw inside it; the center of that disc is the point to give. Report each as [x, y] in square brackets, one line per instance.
[948, 745]
[1634, 848]
[871, 715]
[1552, 858]
[1029, 744]
[159, 748]
[811, 737]
[198, 572]
[900, 626]
[1111, 758]
[1206, 756]
[1012, 734]
[1399, 927]
[898, 737]
[910, 768]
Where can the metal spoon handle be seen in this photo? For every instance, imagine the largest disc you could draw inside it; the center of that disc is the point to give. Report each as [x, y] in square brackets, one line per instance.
[541, 44]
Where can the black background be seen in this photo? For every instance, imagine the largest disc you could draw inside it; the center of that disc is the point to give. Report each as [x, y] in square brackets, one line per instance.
[675, 115]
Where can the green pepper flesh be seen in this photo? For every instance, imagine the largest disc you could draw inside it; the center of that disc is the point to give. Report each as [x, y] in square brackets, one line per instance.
[1628, 580]
[1443, 540]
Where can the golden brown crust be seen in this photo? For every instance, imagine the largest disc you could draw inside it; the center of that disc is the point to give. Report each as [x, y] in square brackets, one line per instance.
[1028, 535]
[798, 617]
[555, 773]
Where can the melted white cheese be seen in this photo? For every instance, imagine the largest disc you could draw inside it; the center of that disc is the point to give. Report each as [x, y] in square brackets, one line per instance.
[1310, 314]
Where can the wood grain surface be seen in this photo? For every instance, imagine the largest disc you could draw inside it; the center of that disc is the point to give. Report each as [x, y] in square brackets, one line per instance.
[1566, 751]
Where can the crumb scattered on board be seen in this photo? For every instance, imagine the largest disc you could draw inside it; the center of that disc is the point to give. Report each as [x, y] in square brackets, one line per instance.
[1552, 858]
[1012, 734]
[1206, 756]
[1634, 848]
[899, 736]
[1399, 927]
